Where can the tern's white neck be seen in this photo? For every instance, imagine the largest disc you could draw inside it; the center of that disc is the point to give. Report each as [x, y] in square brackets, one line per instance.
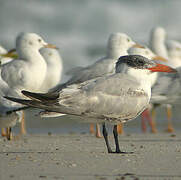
[142, 76]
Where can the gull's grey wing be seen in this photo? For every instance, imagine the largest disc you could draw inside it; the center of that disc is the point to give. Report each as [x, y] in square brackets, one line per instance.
[115, 97]
[74, 70]
[100, 68]
[5, 105]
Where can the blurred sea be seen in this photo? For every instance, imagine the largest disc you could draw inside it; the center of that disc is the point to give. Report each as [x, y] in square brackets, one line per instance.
[80, 28]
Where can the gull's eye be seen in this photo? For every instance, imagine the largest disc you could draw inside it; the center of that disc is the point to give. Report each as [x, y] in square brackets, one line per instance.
[39, 40]
[128, 39]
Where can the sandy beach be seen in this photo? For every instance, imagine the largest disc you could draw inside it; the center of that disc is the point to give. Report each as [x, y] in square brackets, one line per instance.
[81, 156]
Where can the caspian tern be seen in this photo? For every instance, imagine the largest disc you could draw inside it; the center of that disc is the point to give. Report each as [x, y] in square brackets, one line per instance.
[112, 98]
[118, 44]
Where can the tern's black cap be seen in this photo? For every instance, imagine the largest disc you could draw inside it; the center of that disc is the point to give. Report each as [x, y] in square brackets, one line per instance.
[135, 61]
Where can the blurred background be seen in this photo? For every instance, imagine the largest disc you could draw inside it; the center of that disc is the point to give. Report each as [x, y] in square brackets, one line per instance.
[81, 28]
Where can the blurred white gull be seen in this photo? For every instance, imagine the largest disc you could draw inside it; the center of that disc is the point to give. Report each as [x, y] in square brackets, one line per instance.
[158, 42]
[118, 44]
[7, 118]
[112, 98]
[28, 72]
[171, 50]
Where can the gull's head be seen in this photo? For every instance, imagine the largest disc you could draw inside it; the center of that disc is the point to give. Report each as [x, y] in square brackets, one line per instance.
[118, 44]
[141, 51]
[146, 52]
[31, 40]
[120, 41]
[174, 48]
[49, 54]
[136, 65]
[158, 33]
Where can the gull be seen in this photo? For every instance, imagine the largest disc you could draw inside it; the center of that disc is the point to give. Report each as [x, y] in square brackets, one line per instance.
[26, 72]
[29, 70]
[114, 98]
[171, 50]
[8, 118]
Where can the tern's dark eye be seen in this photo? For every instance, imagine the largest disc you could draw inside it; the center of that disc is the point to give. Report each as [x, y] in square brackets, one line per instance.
[140, 63]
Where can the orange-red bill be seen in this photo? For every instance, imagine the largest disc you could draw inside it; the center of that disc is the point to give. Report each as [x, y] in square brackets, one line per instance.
[162, 68]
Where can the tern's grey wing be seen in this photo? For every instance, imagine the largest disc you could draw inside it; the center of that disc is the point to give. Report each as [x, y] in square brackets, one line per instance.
[116, 97]
[166, 89]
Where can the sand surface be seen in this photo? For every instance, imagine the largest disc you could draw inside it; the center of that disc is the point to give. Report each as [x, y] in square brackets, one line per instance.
[81, 156]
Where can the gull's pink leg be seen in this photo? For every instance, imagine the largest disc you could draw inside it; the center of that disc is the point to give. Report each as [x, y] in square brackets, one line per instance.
[143, 124]
[170, 128]
[23, 125]
[120, 128]
[98, 132]
[3, 132]
[91, 130]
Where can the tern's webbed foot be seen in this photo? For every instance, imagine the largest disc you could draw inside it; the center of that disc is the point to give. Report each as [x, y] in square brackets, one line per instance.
[121, 152]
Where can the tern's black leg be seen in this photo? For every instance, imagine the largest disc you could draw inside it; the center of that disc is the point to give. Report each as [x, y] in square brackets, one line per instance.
[105, 134]
[115, 132]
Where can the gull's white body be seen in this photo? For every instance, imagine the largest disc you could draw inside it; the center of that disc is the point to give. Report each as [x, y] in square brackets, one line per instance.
[54, 68]
[7, 120]
[29, 71]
